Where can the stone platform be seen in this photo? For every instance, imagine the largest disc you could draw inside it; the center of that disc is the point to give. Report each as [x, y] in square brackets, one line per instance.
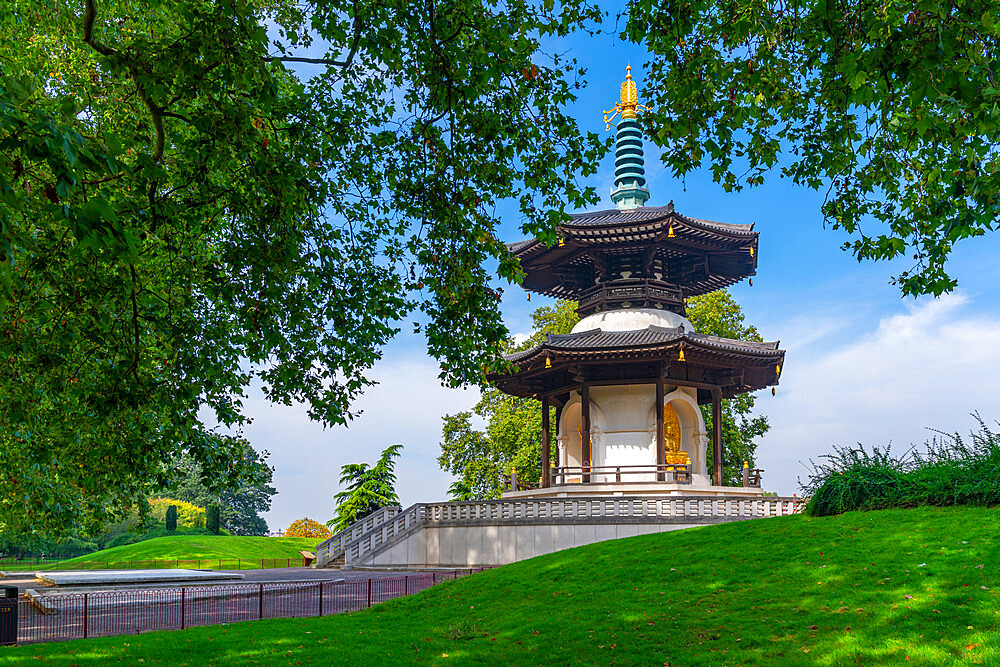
[119, 577]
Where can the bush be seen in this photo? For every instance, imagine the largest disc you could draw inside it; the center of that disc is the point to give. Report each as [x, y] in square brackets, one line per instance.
[171, 518]
[949, 471]
[123, 539]
[306, 527]
[72, 546]
[212, 519]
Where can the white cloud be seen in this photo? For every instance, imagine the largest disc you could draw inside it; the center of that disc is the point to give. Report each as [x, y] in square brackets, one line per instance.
[519, 338]
[928, 366]
[405, 407]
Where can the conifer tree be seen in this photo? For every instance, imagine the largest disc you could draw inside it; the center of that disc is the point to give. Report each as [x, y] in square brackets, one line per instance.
[369, 488]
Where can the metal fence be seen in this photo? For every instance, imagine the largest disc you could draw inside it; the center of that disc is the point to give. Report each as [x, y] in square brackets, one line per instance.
[192, 563]
[24, 562]
[110, 613]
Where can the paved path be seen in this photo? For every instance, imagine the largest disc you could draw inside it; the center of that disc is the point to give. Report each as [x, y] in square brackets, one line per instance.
[71, 615]
[310, 574]
[25, 580]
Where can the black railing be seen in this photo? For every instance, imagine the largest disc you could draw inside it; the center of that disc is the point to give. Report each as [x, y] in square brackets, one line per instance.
[514, 483]
[752, 477]
[663, 472]
[110, 613]
[630, 293]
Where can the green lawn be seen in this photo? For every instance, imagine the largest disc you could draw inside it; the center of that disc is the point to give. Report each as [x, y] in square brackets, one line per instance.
[233, 551]
[903, 586]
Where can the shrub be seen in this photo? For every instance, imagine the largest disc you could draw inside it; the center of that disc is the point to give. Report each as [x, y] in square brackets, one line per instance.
[72, 546]
[188, 514]
[306, 527]
[123, 539]
[171, 518]
[212, 519]
[949, 471]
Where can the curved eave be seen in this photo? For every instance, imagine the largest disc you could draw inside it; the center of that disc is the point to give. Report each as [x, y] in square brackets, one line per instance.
[640, 225]
[534, 358]
[729, 250]
[742, 366]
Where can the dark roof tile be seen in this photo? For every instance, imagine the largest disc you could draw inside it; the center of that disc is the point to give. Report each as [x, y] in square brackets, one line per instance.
[597, 339]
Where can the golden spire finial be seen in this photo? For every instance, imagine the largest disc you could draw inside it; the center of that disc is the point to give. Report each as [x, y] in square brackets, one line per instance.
[628, 106]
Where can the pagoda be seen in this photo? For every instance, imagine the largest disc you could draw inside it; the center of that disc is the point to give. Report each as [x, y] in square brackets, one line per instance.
[627, 383]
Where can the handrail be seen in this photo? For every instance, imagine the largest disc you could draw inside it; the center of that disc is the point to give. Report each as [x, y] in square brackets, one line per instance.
[372, 541]
[677, 473]
[645, 291]
[332, 548]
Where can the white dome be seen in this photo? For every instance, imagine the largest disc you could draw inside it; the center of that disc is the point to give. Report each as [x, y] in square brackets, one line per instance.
[632, 319]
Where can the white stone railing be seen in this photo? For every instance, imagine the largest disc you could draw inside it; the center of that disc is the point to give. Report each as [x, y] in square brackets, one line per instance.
[333, 547]
[616, 508]
[372, 542]
[568, 510]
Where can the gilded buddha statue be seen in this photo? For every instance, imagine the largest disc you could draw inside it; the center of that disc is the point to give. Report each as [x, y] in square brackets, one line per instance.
[673, 454]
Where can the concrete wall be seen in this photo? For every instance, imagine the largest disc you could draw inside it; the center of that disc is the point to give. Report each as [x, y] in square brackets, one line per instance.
[498, 544]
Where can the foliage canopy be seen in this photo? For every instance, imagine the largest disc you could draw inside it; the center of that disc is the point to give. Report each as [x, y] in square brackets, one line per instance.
[240, 503]
[306, 527]
[891, 108]
[181, 215]
[185, 514]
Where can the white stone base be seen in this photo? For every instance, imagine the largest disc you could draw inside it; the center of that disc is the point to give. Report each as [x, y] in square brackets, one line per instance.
[491, 545]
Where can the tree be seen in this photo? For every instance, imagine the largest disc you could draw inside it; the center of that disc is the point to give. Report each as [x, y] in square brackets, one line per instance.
[717, 314]
[171, 518]
[181, 215]
[512, 437]
[369, 488]
[212, 518]
[888, 107]
[306, 527]
[240, 502]
[186, 515]
[460, 491]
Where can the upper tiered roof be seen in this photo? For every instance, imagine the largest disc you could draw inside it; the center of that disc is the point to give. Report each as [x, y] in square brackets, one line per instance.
[634, 256]
[668, 252]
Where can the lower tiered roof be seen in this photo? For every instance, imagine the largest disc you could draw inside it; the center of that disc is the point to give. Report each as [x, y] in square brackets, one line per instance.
[676, 356]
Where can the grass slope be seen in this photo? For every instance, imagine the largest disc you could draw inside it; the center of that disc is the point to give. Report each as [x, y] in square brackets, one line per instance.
[915, 586]
[229, 548]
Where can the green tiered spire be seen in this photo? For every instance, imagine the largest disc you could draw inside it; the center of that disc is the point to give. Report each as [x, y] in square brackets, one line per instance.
[630, 172]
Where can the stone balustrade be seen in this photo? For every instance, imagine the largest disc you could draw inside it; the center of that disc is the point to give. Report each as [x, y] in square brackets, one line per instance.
[387, 528]
[333, 547]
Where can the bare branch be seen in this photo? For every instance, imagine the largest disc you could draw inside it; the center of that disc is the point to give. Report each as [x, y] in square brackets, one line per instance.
[89, 15]
[156, 114]
[355, 39]
[312, 61]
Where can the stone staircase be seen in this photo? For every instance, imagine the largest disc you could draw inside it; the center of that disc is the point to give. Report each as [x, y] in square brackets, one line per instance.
[331, 553]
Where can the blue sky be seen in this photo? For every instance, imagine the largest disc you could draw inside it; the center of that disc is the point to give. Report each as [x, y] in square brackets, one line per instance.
[863, 364]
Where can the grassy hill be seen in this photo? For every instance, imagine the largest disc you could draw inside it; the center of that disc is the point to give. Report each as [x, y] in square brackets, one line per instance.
[194, 547]
[903, 586]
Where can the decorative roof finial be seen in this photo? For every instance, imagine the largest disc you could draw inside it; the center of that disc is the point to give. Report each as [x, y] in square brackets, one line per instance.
[630, 174]
[628, 105]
